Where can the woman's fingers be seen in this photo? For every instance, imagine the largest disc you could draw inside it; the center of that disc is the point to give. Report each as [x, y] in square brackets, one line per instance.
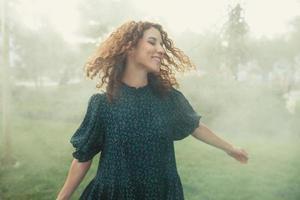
[240, 155]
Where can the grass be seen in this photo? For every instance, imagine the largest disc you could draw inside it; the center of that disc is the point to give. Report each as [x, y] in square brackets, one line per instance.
[40, 143]
[271, 173]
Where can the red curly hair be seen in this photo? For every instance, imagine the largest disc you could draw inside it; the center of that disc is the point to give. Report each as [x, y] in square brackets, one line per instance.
[109, 59]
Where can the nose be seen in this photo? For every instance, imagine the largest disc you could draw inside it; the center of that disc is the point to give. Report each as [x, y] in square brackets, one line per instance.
[161, 50]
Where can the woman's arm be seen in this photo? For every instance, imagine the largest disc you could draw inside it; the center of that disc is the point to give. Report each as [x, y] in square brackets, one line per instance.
[204, 134]
[76, 173]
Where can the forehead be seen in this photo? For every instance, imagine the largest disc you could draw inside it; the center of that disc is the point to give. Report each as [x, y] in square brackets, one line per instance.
[152, 32]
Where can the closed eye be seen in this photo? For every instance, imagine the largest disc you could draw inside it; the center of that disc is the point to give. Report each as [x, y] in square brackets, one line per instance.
[153, 43]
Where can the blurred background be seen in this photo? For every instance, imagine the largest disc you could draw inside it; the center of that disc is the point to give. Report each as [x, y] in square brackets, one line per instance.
[246, 87]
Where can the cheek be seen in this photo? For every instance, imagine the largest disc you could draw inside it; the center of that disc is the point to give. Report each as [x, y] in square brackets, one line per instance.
[144, 53]
[144, 56]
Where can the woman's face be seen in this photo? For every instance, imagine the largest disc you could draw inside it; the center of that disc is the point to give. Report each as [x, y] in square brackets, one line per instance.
[149, 51]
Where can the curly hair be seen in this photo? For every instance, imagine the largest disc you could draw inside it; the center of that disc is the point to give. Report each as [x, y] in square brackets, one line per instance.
[108, 61]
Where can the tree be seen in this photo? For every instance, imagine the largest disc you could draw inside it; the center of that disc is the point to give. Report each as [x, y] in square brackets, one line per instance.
[100, 17]
[43, 53]
[234, 40]
[6, 93]
[204, 49]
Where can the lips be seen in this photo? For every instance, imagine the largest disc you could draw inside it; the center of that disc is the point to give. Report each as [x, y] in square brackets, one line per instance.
[157, 59]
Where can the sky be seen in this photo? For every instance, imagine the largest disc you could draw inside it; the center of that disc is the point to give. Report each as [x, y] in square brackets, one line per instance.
[264, 17]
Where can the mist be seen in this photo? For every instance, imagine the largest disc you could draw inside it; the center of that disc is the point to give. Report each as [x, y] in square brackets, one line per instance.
[246, 87]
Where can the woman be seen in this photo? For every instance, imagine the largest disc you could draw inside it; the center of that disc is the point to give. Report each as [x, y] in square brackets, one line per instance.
[134, 123]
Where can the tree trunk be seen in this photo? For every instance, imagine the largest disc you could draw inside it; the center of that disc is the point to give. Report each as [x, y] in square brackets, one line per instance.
[7, 158]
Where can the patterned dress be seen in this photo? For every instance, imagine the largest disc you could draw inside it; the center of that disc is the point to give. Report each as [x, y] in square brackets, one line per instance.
[135, 136]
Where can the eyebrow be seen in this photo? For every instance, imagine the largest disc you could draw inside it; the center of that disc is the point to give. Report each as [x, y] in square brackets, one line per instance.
[155, 39]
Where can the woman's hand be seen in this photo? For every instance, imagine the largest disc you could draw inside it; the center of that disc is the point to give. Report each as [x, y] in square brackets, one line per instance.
[239, 154]
[206, 135]
[76, 173]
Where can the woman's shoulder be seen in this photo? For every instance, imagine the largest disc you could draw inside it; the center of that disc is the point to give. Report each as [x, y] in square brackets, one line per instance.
[177, 96]
[98, 95]
[174, 92]
[97, 99]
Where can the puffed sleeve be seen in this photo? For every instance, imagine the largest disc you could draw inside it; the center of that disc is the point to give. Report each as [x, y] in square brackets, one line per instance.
[89, 137]
[185, 118]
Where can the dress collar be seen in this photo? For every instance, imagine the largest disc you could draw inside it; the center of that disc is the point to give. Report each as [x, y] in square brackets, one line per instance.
[132, 89]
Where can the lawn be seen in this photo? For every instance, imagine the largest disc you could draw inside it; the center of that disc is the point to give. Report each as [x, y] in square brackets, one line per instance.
[40, 141]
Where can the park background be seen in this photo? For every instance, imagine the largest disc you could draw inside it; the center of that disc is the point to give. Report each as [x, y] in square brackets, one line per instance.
[246, 88]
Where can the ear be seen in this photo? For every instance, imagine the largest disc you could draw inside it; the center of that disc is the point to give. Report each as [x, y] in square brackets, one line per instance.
[129, 48]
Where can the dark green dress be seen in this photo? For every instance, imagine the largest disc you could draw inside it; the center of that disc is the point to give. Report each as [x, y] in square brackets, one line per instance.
[136, 138]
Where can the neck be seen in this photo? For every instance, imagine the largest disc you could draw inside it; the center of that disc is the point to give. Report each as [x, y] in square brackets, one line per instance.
[134, 76]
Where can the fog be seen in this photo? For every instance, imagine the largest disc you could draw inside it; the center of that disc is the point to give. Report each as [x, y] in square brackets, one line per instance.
[246, 88]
